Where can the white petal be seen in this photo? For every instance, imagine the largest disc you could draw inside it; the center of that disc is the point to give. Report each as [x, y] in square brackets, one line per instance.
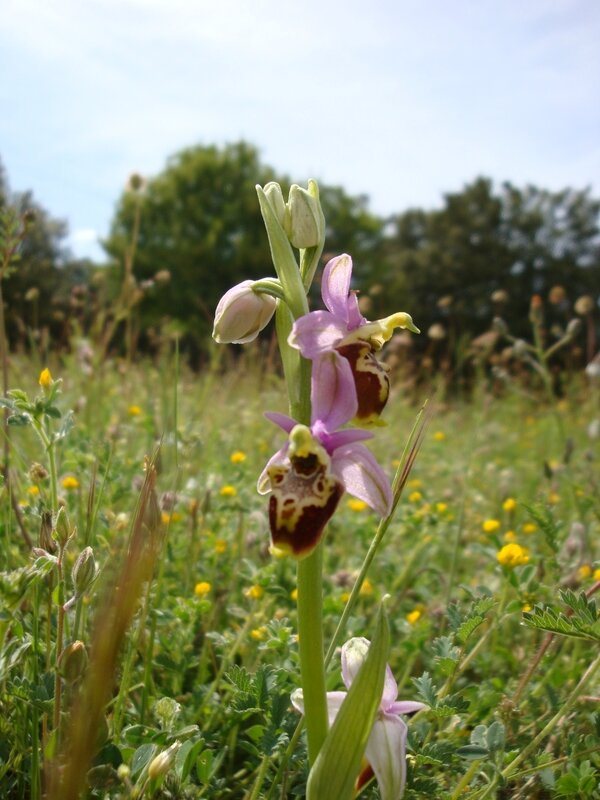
[386, 753]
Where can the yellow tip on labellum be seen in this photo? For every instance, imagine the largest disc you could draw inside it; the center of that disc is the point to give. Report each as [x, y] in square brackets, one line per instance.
[45, 379]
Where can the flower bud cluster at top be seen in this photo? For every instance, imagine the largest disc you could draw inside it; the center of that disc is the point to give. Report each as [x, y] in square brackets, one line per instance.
[318, 462]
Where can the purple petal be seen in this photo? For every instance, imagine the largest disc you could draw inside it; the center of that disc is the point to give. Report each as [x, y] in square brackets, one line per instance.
[390, 690]
[334, 702]
[335, 285]
[353, 315]
[404, 707]
[285, 422]
[263, 485]
[354, 652]
[317, 332]
[341, 438]
[333, 392]
[386, 753]
[362, 476]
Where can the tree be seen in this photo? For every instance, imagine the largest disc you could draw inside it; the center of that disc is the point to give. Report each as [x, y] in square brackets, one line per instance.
[524, 241]
[200, 220]
[39, 273]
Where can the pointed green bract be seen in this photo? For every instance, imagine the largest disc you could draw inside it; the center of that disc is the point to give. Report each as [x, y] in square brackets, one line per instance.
[284, 261]
[338, 765]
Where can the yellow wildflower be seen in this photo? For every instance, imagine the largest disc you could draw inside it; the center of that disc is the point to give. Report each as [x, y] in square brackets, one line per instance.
[441, 507]
[344, 597]
[33, 490]
[596, 575]
[510, 536]
[294, 594]
[354, 504]
[529, 527]
[509, 504]
[414, 483]
[45, 379]
[255, 592]
[491, 525]
[238, 457]
[366, 588]
[415, 497]
[584, 572]
[173, 516]
[134, 411]
[70, 482]
[414, 616]
[439, 436]
[526, 607]
[220, 546]
[202, 588]
[553, 498]
[396, 463]
[258, 634]
[513, 555]
[228, 491]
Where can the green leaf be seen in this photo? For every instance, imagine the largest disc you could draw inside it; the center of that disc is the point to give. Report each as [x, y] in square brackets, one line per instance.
[495, 736]
[338, 763]
[19, 420]
[426, 689]
[142, 757]
[472, 752]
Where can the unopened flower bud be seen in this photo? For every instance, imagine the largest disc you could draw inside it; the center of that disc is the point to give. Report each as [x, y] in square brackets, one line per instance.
[62, 527]
[45, 379]
[500, 296]
[84, 571]
[162, 276]
[536, 310]
[305, 218]
[46, 541]
[37, 473]
[241, 314]
[520, 349]
[584, 305]
[278, 205]
[73, 662]
[136, 182]
[163, 762]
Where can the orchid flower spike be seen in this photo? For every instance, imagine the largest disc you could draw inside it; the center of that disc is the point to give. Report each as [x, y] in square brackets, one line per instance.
[343, 331]
[309, 474]
[386, 746]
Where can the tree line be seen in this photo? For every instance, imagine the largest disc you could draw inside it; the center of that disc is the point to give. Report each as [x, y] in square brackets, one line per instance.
[180, 239]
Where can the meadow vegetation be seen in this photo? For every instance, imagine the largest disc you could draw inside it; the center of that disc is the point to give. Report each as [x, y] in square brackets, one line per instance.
[149, 635]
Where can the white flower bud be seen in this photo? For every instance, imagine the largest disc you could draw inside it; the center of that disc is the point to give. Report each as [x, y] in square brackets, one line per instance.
[241, 314]
[305, 220]
[163, 762]
[274, 195]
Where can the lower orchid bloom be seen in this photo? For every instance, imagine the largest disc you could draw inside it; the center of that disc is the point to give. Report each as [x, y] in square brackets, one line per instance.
[386, 746]
[343, 331]
[309, 474]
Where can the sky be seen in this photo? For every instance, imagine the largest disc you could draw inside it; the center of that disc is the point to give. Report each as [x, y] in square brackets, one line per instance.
[402, 100]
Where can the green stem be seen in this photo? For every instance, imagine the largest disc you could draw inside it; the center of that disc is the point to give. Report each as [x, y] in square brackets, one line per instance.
[465, 780]
[59, 643]
[310, 633]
